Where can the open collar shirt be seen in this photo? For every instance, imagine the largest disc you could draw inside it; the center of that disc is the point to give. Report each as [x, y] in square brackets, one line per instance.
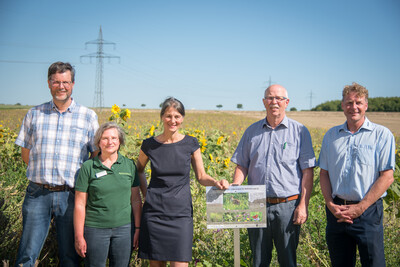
[58, 142]
[276, 157]
[354, 161]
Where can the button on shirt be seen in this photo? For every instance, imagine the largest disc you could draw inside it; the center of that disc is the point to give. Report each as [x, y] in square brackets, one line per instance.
[276, 157]
[355, 160]
[58, 142]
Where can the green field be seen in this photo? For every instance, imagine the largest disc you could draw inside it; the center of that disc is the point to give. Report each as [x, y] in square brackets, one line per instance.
[218, 134]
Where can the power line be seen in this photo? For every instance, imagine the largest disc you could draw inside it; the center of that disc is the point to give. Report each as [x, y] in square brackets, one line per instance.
[98, 101]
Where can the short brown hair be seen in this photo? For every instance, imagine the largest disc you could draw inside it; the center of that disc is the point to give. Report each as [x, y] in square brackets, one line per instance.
[61, 67]
[356, 88]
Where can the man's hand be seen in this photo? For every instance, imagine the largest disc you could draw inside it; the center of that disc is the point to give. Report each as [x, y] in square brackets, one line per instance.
[300, 214]
[341, 212]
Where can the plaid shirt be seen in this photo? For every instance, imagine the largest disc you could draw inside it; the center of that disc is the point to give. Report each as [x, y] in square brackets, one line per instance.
[58, 142]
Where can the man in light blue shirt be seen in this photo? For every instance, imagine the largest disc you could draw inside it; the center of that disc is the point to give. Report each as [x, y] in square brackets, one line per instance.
[357, 160]
[277, 152]
[55, 138]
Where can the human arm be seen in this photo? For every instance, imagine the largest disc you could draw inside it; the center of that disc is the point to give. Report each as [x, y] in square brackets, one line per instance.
[378, 188]
[79, 222]
[136, 204]
[25, 154]
[326, 188]
[202, 176]
[301, 212]
[239, 175]
[141, 164]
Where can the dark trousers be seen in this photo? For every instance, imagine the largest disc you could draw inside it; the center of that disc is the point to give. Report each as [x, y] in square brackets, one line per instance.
[366, 233]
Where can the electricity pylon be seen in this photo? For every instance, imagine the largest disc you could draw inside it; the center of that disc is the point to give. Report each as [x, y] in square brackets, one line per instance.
[98, 101]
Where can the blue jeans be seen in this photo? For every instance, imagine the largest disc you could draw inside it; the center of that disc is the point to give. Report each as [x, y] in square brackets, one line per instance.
[115, 243]
[39, 206]
[280, 231]
[366, 232]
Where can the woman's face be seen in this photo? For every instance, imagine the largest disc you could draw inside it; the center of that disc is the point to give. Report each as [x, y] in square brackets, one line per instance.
[109, 141]
[172, 120]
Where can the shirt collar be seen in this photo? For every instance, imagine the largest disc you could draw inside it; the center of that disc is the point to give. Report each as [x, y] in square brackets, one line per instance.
[367, 126]
[284, 122]
[69, 109]
[97, 162]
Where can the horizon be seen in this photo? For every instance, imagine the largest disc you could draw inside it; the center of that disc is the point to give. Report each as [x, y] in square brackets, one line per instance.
[204, 53]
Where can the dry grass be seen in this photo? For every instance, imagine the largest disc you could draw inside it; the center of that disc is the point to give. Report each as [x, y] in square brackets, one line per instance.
[312, 119]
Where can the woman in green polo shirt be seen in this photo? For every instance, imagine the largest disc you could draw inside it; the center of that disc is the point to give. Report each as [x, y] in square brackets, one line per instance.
[106, 193]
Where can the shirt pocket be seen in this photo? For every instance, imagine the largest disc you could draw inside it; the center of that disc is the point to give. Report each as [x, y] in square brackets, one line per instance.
[365, 154]
[289, 153]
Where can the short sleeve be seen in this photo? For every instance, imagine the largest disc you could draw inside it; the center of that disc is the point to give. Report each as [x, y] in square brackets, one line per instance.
[307, 155]
[93, 128]
[241, 155]
[82, 182]
[136, 180]
[194, 144]
[24, 138]
[145, 146]
[323, 154]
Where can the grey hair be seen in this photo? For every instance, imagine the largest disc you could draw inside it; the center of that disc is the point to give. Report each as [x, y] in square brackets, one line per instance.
[106, 126]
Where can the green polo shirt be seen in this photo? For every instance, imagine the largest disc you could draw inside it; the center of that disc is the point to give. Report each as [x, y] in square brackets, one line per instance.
[109, 191]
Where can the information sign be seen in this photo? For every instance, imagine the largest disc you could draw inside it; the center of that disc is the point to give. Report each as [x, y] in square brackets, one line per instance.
[236, 207]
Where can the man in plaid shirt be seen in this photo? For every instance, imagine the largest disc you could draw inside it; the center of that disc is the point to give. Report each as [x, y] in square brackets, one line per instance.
[55, 138]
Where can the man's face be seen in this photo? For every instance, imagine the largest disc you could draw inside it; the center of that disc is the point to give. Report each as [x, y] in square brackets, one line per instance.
[61, 86]
[275, 101]
[354, 107]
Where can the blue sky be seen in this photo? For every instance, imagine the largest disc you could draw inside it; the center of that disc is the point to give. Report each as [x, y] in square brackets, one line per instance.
[205, 52]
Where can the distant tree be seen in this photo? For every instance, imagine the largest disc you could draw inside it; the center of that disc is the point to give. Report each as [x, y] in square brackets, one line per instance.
[143, 105]
[293, 109]
[376, 104]
[18, 104]
[239, 106]
[160, 105]
[219, 106]
[123, 105]
[334, 105]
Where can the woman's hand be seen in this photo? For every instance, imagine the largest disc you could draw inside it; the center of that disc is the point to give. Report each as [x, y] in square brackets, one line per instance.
[222, 184]
[136, 239]
[80, 247]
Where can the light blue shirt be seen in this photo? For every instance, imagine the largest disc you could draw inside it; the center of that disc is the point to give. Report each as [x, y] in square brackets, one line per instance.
[276, 157]
[354, 161]
[58, 142]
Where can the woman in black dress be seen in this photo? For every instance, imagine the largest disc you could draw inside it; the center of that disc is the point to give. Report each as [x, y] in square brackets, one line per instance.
[166, 231]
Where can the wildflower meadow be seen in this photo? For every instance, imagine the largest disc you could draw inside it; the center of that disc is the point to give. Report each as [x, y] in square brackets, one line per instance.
[218, 133]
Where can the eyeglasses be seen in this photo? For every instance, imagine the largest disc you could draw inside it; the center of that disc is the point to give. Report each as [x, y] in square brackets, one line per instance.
[277, 98]
[58, 83]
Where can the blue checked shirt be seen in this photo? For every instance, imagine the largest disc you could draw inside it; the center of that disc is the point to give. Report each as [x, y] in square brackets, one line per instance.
[276, 157]
[354, 161]
[58, 142]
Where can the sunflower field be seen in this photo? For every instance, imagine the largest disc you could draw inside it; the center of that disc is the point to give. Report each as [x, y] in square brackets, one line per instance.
[218, 133]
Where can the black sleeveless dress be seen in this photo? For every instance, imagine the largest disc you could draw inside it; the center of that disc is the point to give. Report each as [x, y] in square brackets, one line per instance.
[166, 229]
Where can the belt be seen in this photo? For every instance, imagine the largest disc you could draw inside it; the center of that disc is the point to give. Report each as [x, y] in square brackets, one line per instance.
[277, 200]
[56, 188]
[340, 201]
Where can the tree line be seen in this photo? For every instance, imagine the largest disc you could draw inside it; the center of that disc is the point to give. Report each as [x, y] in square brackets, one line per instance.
[377, 104]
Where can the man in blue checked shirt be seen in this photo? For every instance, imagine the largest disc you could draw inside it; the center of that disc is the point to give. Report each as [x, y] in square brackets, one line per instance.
[55, 138]
[277, 152]
[357, 160]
